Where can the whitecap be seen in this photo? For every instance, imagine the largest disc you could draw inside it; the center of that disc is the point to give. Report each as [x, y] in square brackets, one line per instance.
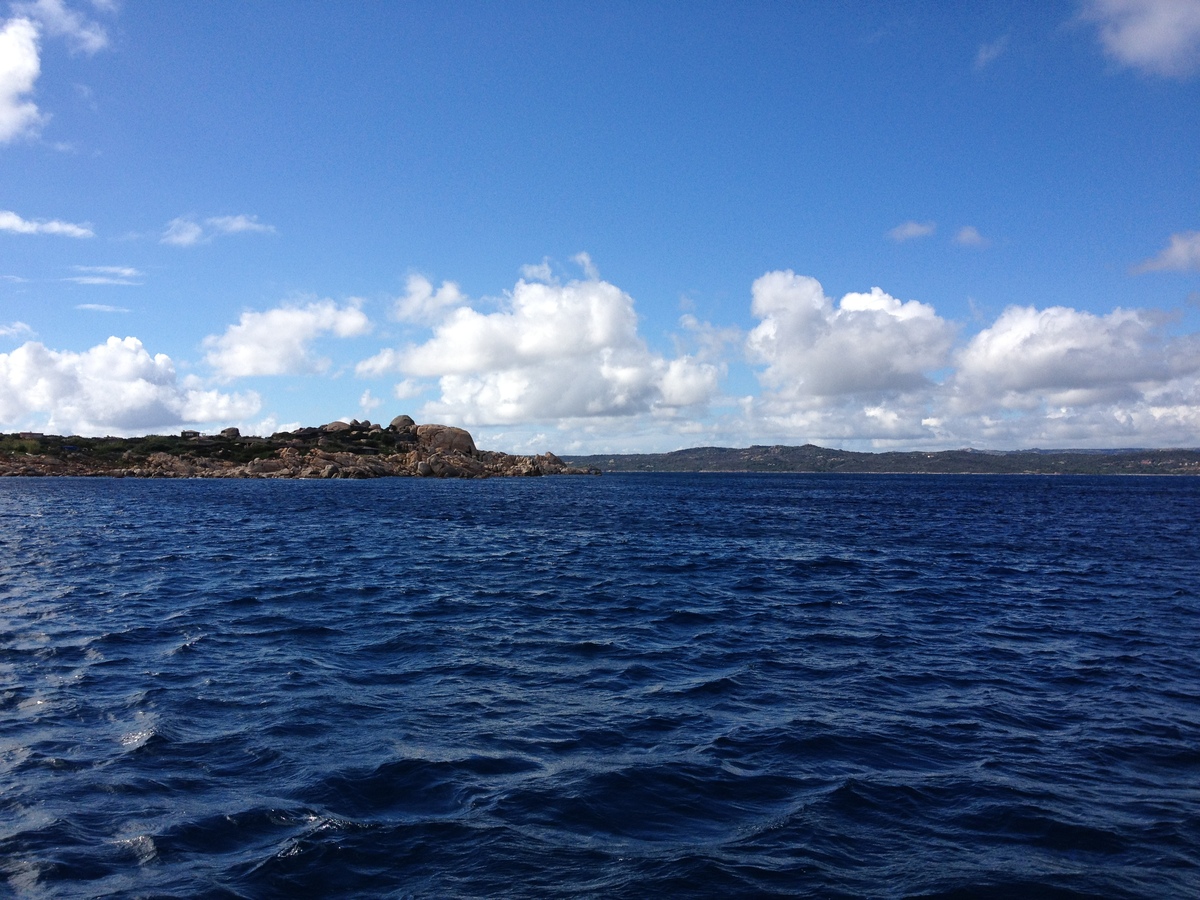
[135, 739]
[141, 846]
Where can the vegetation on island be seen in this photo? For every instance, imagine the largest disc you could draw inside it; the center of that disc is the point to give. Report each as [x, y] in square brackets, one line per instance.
[365, 450]
[811, 458]
[335, 450]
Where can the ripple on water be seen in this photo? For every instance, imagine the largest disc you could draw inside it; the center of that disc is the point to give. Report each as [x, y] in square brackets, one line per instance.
[680, 685]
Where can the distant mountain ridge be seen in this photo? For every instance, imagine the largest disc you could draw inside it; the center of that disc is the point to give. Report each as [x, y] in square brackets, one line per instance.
[814, 459]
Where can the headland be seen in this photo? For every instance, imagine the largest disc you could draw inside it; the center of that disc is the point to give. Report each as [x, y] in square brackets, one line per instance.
[335, 450]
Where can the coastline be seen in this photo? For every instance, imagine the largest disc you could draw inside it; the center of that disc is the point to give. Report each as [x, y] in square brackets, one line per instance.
[405, 449]
[335, 450]
[811, 459]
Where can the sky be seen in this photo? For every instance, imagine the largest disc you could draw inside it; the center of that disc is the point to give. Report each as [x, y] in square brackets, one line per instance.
[605, 227]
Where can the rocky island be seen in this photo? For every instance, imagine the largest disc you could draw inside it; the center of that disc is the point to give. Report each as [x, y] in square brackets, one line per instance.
[336, 450]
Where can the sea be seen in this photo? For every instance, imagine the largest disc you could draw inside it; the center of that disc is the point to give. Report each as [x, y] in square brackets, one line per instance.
[625, 686]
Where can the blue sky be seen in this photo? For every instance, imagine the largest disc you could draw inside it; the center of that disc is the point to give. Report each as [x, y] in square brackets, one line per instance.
[605, 227]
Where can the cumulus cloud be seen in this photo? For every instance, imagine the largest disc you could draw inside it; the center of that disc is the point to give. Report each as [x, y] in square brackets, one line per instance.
[705, 341]
[1160, 37]
[540, 272]
[1066, 357]
[114, 388]
[866, 370]
[382, 363]
[911, 231]
[20, 66]
[1064, 377]
[869, 344]
[584, 261]
[969, 236]
[278, 341]
[407, 389]
[1050, 377]
[555, 351]
[421, 303]
[369, 402]
[545, 270]
[1180, 255]
[13, 223]
[185, 231]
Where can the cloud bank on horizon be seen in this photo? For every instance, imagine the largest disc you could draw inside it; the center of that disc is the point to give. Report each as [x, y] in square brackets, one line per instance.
[902, 355]
[867, 367]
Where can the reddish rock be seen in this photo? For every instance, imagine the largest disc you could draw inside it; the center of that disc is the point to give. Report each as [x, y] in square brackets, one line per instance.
[446, 438]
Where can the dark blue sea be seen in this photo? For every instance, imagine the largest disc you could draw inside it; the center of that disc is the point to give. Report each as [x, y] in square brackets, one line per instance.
[618, 687]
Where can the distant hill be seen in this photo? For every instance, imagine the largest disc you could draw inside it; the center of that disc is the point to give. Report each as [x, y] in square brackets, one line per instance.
[811, 458]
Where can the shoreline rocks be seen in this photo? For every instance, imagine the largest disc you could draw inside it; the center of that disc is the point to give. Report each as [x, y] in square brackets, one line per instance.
[336, 450]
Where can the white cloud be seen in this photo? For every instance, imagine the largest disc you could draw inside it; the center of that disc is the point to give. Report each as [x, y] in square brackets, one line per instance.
[182, 233]
[407, 389]
[20, 66]
[368, 401]
[1064, 377]
[112, 271]
[687, 383]
[15, 329]
[554, 352]
[541, 272]
[911, 230]
[101, 307]
[1180, 255]
[707, 342]
[238, 225]
[114, 388]
[1161, 37]
[1065, 358]
[185, 231]
[969, 236]
[584, 261]
[119, 275]
[989, 53]
[11, 222]
[59, 20]
[99, 276]
[1055, 377]
[421, 303]
[277, 342]
[870, 344]
[383, 362]
[868, 370]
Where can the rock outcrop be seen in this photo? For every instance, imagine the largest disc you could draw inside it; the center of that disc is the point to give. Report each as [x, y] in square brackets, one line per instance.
[335, 450]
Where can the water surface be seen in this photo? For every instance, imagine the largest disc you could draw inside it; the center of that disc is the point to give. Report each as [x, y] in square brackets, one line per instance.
[718, 685]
